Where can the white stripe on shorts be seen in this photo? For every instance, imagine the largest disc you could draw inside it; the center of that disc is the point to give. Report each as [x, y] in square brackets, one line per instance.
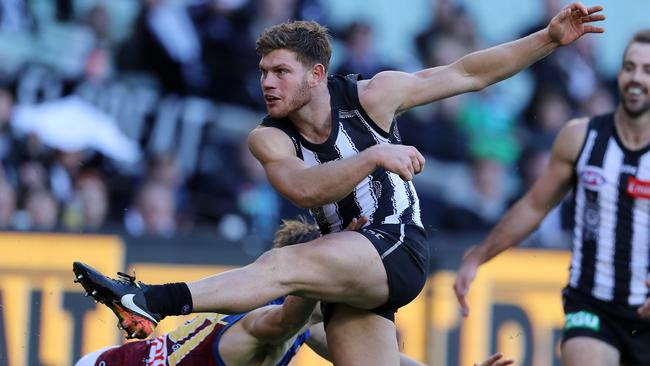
[396, 245]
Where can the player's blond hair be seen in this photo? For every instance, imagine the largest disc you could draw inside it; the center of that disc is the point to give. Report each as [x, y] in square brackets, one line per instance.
[295, 232]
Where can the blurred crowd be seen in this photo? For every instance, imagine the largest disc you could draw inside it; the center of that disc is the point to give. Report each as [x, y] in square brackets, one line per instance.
[132, 116]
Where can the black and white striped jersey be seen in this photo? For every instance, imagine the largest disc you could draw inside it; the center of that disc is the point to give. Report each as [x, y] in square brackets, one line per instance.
[611, 247]
[382, 196]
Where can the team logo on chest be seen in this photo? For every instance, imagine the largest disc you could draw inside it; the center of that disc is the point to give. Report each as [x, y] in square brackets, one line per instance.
[592, 177]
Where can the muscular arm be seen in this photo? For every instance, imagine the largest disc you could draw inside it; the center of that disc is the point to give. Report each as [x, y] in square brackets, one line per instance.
[306, 186]
[309, 187]
[529, 211]
[545, 194]
[277, 323]
[391, 92]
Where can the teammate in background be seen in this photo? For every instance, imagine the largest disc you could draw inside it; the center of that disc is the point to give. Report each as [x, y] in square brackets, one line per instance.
[606, 160]
[329, 144]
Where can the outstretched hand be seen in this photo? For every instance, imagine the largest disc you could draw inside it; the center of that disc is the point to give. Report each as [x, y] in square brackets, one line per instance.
[464, 277]
[573, 21]
[495, 360]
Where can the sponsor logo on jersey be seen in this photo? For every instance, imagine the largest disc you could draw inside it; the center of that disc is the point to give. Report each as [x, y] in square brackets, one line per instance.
[638, 188]
[592, 177]
[582, 319]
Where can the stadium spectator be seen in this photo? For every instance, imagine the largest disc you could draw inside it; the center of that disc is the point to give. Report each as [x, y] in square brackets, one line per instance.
[88, 209]
[360, 54]
[99, 61]
[165, 43]
[42, 210]
[153, 212]
[7, 205]
[450, 22]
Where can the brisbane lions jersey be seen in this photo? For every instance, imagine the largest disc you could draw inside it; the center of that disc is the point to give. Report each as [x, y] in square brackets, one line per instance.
[195, 343]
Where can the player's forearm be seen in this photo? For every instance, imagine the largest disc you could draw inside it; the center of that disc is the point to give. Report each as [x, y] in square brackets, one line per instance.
[494, 64]
[332, 181]
[516, 225]
[296, 311]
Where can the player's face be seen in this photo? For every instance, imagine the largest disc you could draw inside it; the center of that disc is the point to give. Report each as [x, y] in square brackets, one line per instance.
[284, 83]
[634, 80]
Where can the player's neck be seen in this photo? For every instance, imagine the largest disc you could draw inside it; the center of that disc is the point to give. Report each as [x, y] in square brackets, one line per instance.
[314, 119]
[633, 131]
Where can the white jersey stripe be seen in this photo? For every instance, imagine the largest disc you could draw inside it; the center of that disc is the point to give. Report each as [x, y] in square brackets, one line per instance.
[416, 207]
[608, 194]
[329, 211]
[640, 241]
[379, 138]
[363, 194]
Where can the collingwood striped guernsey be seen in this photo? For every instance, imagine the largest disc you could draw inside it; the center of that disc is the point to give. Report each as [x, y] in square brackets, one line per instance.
[611, 248]
[382, 196]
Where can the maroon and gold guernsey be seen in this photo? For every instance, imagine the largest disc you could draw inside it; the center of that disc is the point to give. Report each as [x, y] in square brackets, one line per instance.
[195, 343]
[190, 344]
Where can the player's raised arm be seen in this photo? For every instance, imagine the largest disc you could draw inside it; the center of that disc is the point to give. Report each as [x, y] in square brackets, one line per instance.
[391, 91]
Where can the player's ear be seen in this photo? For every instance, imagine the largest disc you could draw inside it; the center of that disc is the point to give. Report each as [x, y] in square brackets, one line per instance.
[317, 74]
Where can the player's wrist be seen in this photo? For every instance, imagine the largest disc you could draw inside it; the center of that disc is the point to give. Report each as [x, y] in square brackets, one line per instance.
[372, 157]
[475, 256]
[547, 38]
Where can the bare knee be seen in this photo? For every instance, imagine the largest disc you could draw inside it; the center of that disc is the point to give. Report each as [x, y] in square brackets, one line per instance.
[277, 263]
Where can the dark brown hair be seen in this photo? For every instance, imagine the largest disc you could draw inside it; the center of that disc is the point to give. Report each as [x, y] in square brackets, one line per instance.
[295, 232]
[309, 40]
[642, 36]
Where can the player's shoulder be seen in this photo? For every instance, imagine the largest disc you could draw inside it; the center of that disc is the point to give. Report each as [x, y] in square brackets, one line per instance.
[271, 143]
[265, 133]
[577, 123]
[575, 129]
[570, 139]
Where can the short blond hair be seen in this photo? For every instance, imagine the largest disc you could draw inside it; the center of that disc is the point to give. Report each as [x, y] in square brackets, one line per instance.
[295, 232]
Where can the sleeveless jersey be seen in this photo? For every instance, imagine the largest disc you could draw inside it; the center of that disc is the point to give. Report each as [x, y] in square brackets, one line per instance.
[611, 247]
[195, 343]
[382, 196]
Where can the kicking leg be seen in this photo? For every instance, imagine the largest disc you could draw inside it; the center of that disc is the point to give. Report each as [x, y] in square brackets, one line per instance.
[341, 267]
